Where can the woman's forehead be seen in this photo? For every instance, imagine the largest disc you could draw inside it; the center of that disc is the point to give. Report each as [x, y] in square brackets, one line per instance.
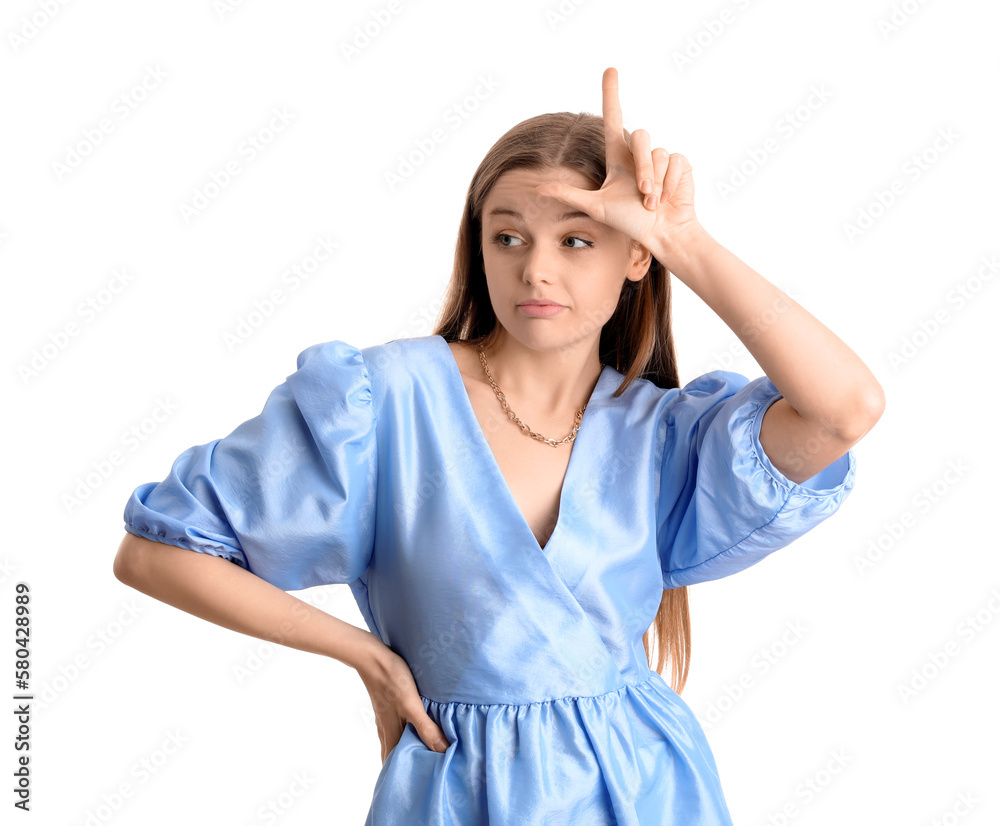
[514, 181]
[513, 194]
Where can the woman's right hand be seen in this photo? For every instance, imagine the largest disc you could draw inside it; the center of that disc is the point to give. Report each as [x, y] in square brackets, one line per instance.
[396, 700]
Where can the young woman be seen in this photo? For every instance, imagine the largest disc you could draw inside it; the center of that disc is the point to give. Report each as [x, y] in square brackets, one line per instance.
[519, 500]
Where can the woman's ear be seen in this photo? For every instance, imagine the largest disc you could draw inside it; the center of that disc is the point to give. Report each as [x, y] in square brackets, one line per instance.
[642, 260]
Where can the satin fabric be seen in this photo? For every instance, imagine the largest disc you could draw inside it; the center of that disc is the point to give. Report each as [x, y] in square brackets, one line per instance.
[369, 467]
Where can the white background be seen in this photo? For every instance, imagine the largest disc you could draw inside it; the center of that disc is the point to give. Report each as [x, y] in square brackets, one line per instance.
[162, 676]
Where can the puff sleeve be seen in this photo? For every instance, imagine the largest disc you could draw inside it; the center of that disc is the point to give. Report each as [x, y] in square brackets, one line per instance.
[290, 494]
[723, 506]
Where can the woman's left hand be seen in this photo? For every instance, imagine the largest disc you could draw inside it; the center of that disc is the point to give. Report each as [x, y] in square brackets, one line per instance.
[647, 195]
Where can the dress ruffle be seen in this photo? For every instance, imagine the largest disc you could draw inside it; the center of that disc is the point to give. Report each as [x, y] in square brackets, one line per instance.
[637, 752]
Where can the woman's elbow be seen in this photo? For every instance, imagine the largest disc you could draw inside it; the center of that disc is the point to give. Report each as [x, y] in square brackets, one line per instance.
[125, 566]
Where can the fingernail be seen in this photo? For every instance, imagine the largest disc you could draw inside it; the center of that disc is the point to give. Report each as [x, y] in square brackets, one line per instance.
[651, 201]
[646, 185]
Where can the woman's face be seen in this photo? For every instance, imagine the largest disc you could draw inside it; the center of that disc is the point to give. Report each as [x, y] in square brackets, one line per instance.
[539, 248]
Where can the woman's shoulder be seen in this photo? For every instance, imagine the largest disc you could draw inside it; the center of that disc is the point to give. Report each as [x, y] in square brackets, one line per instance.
[391, 366]
[380, 381]
[706, 383]
[400, 361]
[646, 404]
[385, 357]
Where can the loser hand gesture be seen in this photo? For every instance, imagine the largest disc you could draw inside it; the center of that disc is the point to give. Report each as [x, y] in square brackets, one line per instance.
[647, 195]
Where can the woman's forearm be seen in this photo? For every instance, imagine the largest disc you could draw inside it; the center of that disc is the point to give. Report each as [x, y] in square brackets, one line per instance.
[223, 593]
[820, 376]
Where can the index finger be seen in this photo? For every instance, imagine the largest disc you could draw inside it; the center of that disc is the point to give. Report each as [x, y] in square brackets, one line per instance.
[613, 130]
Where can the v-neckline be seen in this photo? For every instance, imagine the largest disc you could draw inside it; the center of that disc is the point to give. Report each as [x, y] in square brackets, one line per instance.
[491, 460]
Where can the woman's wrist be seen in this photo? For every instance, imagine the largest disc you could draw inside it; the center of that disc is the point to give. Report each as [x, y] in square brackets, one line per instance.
[684, 251]
[362, 649]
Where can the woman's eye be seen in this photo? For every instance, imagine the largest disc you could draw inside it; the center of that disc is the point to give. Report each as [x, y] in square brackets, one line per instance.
[498, 239]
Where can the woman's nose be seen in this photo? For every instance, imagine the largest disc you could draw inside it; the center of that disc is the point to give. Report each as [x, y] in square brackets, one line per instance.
[539, 265]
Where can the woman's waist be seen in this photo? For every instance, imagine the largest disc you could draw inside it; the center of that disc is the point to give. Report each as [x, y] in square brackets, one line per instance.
[515, 690]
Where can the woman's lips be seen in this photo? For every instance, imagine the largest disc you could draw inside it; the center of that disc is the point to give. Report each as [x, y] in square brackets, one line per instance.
[541, 310]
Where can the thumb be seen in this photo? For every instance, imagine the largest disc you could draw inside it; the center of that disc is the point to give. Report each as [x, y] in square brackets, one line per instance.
[430, 733]
[584, 200]
[679, 185]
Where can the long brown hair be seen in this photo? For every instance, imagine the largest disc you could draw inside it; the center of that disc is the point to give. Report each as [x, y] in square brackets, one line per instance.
[637, 340]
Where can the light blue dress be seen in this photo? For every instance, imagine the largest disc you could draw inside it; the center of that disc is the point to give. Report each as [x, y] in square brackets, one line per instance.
[369, 467]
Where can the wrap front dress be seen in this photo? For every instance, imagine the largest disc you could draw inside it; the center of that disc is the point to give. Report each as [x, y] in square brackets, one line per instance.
[368, 467]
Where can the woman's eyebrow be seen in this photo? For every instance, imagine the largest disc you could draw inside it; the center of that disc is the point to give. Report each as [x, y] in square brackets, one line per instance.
[566, 216]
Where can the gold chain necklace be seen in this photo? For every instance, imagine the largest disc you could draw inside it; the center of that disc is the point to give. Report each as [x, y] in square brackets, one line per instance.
[514, 418]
